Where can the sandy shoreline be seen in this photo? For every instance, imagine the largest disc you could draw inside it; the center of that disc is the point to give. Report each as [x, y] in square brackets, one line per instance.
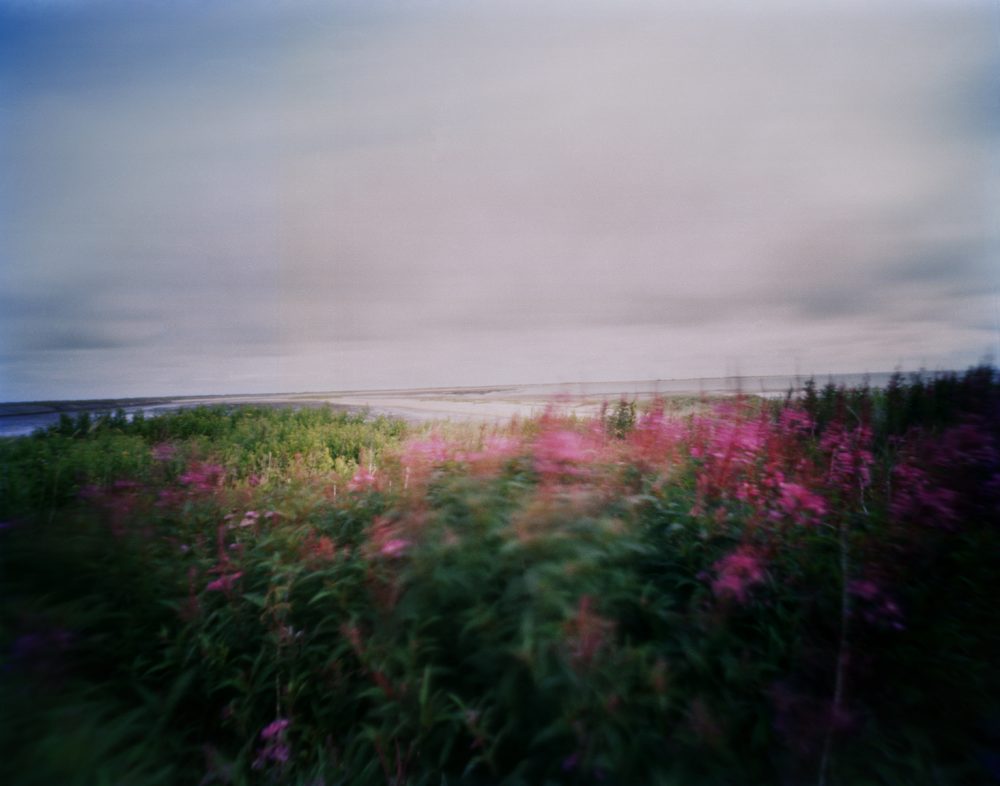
[470, 404]
[413, 406]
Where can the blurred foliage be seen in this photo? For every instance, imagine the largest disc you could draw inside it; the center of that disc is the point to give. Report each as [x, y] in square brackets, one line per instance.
[621, 420]
[48, 469]
[256, 596]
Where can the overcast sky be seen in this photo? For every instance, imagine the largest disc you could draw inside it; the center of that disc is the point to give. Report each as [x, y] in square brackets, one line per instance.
[252, 196]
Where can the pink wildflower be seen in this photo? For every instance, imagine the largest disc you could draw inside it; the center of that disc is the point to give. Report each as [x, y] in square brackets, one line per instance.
[850, 457]
[561, 452]
[758, 492]
[362, 480]
[655, 438]
[394, 547]
[386, 538]
[501, 446]
[276, 747]
[318, 549]
[799, 503]
[967, 445]
[496, 448]
[169, 498]
[249, 518]
[728, 438]
[163, 451]
[915, 497]
[433, 450]
[224, 583]
[203, 477]
[736, 573]
[795, 421]
[274, 728]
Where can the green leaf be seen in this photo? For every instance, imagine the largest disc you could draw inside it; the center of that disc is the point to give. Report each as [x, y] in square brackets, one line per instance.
[256, 598]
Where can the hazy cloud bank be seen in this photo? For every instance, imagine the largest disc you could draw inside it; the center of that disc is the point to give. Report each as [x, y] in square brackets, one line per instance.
[283, 196]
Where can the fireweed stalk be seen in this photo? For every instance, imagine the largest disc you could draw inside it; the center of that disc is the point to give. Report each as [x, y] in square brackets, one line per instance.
[850, 460]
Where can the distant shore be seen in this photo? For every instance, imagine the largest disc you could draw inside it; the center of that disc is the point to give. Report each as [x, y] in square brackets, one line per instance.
[477, 404]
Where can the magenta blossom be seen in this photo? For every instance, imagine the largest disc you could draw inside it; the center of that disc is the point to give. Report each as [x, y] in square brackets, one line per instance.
[729, 440]
[736, 573]
[203, 477]
[395, 547]
[795, 421]
[851, 459]
[917, 497]
[495, 450]
[875, 605]
[799, 503]
[655, 438]
[249, 518]
[433, 450]
[224, 583]
[163, 451]
[563, 452]
[275, 749]
[274, 728]
[363, 479]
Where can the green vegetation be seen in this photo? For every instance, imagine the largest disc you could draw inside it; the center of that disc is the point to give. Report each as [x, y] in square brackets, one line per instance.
[759, 592]
[48, 469]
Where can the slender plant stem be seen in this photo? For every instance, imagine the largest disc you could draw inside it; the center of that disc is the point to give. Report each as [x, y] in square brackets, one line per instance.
[842, 650]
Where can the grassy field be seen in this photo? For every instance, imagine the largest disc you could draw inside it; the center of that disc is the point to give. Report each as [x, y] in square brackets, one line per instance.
[736, 591]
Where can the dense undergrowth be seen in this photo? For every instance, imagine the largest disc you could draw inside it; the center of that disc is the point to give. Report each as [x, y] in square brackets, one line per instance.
[762, 592]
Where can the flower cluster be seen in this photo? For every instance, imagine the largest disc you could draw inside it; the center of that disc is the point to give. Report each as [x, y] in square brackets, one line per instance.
[563, 454]
[736, 573]
[204, 477]
[875, 605]
[275, 749]
[850, 458]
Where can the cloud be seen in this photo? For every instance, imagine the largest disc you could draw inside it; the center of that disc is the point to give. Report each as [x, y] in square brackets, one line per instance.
[286, 181]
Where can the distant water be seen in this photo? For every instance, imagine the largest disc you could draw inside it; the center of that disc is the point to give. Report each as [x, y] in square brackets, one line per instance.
[20, 419]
